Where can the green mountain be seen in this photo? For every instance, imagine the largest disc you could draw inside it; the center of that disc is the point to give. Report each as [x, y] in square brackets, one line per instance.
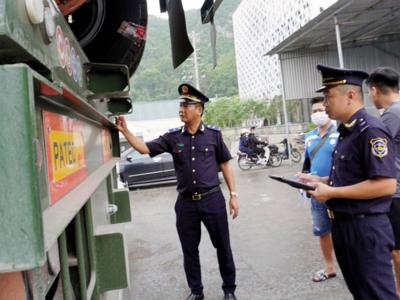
[156, 79]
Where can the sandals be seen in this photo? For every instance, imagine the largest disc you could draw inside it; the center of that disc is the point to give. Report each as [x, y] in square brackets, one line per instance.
[322, 275]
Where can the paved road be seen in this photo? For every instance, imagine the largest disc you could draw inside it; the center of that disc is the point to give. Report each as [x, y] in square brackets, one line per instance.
[274, 250]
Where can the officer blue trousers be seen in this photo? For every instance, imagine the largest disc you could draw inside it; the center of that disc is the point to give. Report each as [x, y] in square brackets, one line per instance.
[363, 250]
[212, 212]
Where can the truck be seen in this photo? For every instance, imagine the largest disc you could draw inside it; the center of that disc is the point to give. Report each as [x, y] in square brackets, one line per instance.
[65, 67]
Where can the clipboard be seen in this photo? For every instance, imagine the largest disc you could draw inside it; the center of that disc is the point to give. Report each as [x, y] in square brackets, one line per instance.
[293, 183]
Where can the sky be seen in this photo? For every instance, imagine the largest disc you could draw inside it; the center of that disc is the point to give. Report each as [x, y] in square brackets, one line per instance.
[153, 6]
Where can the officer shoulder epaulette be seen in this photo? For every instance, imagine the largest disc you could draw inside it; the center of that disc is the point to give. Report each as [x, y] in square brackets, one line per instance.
[213, 127]
[176, 129]
[362, 124]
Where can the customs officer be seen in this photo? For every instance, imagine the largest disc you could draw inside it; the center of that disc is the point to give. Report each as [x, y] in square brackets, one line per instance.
[199, 152]
[359, 188]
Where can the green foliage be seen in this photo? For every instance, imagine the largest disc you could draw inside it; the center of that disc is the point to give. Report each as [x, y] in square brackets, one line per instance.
[231, 112]
[310, 126]
[274, 109]
[226, 112]
[156, 79]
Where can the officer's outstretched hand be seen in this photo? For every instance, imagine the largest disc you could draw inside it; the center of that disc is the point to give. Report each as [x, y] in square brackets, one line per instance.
[322, 191]
[121, 124]
[233, 207]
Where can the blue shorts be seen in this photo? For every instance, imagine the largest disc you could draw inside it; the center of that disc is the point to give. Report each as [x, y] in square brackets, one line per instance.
[321, 223]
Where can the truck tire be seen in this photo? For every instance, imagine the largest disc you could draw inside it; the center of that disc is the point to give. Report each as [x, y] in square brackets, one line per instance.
[97, 25]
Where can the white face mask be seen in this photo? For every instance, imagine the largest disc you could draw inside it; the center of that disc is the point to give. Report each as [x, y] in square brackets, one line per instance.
[319, 118]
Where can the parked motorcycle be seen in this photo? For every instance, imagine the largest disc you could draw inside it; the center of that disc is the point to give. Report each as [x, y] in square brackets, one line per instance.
[271, 157]
[295, 153]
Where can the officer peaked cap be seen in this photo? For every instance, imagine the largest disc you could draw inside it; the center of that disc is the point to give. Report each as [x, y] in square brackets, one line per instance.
[335, 76]
[191, 95]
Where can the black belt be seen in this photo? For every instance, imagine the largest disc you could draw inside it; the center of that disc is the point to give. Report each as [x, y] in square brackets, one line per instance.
[197, 197]
[333, 215]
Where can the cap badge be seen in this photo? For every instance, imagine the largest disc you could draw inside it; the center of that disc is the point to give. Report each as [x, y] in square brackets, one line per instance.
[185, 89]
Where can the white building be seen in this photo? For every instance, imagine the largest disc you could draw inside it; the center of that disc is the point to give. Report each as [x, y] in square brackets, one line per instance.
[154, 118]
[258, 26]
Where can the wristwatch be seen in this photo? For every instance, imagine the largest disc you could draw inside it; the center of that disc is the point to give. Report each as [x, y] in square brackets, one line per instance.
[234, 194]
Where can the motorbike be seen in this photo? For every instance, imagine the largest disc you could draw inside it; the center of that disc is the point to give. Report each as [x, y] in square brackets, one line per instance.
[295, 153]
[271, 158]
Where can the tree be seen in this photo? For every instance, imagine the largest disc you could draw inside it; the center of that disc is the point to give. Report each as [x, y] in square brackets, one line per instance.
[273, 111]
[231, 112]
[155, 78]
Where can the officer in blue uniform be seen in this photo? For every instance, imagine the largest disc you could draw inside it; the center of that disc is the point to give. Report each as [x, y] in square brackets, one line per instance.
[199, 152]
[359, 188]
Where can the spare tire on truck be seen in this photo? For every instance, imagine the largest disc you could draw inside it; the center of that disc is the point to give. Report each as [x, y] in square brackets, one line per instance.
[111, 31]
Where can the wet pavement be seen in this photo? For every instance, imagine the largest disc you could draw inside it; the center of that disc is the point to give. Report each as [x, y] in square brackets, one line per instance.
[274, 250]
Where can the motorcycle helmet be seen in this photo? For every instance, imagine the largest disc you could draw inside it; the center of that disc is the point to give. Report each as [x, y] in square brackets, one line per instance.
[244, 131]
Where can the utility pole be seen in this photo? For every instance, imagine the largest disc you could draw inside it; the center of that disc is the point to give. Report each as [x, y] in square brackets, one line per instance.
[338, 42]
[195, 62]
[285, 115]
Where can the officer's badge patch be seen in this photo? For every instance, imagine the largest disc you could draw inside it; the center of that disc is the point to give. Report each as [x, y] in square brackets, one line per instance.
[379, 147]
